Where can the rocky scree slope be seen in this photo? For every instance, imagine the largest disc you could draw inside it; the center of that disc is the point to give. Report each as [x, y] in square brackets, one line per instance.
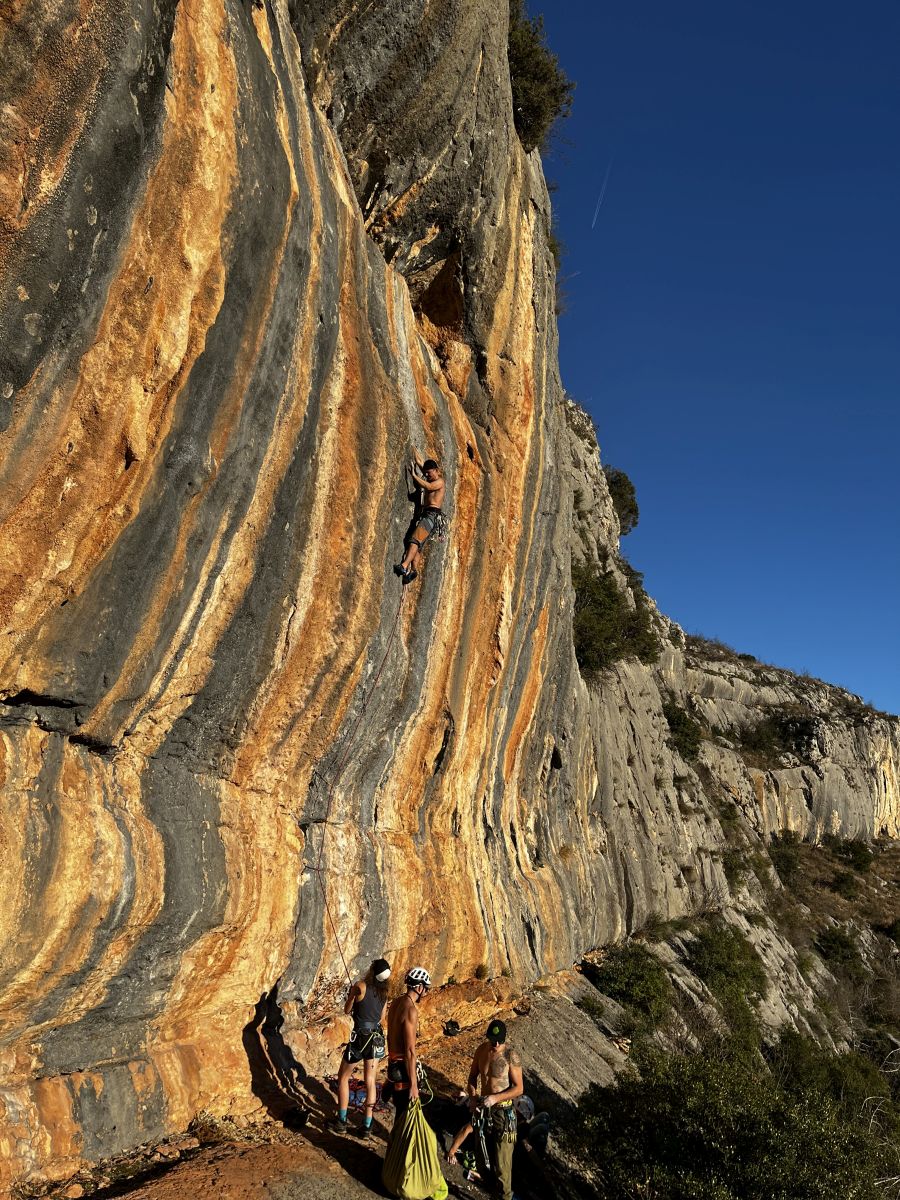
[250, 254]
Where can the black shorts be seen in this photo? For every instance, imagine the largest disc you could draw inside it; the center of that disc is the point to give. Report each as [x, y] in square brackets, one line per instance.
[397, 1072]
[365, 1044]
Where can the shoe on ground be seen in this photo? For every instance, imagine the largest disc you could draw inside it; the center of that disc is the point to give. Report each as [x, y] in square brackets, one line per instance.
[336, 1125]
[364, 1135]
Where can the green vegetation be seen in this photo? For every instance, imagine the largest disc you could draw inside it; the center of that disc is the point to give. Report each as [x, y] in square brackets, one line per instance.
[784, 851]
[839, 949]
[729, 966]
[624, 498]
[764, 740]
[734, 865]
[658, 929]
[722, 957]
[711, 648]
[481, 971]
[607, 626]
[637, 980]
[541, 91]
[852, 851]
[846, 884]
[724, 1125]
[686, 734]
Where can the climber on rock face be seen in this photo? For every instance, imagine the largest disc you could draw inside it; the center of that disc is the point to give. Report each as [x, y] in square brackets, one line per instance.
[430, 486]
[403, 1025]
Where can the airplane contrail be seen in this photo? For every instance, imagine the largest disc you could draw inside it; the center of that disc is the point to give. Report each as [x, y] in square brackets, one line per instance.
[602, 193]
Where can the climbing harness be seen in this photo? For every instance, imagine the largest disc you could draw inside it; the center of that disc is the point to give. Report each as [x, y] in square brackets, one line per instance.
[441, 530]
[375, 1039]
[397, 1076]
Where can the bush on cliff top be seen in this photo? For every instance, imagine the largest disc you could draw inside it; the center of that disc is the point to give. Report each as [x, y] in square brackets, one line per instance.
[606, 627]
[541, 90]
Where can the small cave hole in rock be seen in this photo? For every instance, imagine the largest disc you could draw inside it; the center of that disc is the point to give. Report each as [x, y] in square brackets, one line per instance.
[556, 761]
[442, 302]
[470, 451]
[445, 744]
[532, 941]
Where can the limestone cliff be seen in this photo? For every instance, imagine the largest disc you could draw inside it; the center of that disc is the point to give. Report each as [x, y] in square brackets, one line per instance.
[250, 255]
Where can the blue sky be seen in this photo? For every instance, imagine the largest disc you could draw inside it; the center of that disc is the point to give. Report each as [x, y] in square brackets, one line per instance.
[732, 319]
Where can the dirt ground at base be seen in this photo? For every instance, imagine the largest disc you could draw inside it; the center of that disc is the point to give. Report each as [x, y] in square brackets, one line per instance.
[261, 1172]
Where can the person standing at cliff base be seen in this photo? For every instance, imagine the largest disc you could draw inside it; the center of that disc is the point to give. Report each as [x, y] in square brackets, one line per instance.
[403, 1026]
[431, 487]
[497, 1071]
[365, 1001]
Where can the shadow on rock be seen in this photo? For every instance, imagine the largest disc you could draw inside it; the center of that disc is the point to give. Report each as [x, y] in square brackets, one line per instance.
[292, 1096]
[275, 1075]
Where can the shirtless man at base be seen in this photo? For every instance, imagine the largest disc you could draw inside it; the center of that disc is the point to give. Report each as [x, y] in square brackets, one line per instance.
[402, 1027]
[497, 1071]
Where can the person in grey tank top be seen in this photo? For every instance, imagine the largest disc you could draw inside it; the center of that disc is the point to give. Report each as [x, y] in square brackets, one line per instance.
[365, 1003]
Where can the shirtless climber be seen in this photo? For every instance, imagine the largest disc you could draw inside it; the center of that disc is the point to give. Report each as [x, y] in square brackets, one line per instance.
[403, 1025]
[431, 487]
[497, 1070]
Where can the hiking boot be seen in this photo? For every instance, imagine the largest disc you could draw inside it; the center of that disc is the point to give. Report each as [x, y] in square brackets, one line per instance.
[336, 1125]
[364, 1134]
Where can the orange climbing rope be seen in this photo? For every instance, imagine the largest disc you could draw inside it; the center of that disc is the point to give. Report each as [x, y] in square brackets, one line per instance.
[339, 770]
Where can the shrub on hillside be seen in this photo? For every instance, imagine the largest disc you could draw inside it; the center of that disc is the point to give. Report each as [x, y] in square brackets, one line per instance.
[606, 626]
[784, 851]
[735, 866]
[541, 90]
[624, 498]
[846, 884]
[840, 951]
[853, 851]
[847, 1081]
[637, 980]
[685, 733]
[722, 957]
[719, 1126]
[763, 740]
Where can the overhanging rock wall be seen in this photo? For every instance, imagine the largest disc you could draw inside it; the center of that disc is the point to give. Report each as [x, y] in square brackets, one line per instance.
[251, 254]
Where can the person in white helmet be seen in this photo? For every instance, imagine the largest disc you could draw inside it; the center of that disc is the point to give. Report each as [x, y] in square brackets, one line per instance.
[403, 1025]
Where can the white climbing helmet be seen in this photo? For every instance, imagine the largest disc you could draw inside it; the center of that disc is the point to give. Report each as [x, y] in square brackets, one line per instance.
[416, 976]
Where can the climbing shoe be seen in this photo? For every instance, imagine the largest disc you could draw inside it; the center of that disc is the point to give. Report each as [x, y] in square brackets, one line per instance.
[409, 576]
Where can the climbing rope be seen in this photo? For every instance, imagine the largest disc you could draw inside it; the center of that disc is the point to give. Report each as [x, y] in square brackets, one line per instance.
[339, 770]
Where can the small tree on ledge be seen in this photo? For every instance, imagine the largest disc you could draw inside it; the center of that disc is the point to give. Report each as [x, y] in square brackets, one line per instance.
[624, 498]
